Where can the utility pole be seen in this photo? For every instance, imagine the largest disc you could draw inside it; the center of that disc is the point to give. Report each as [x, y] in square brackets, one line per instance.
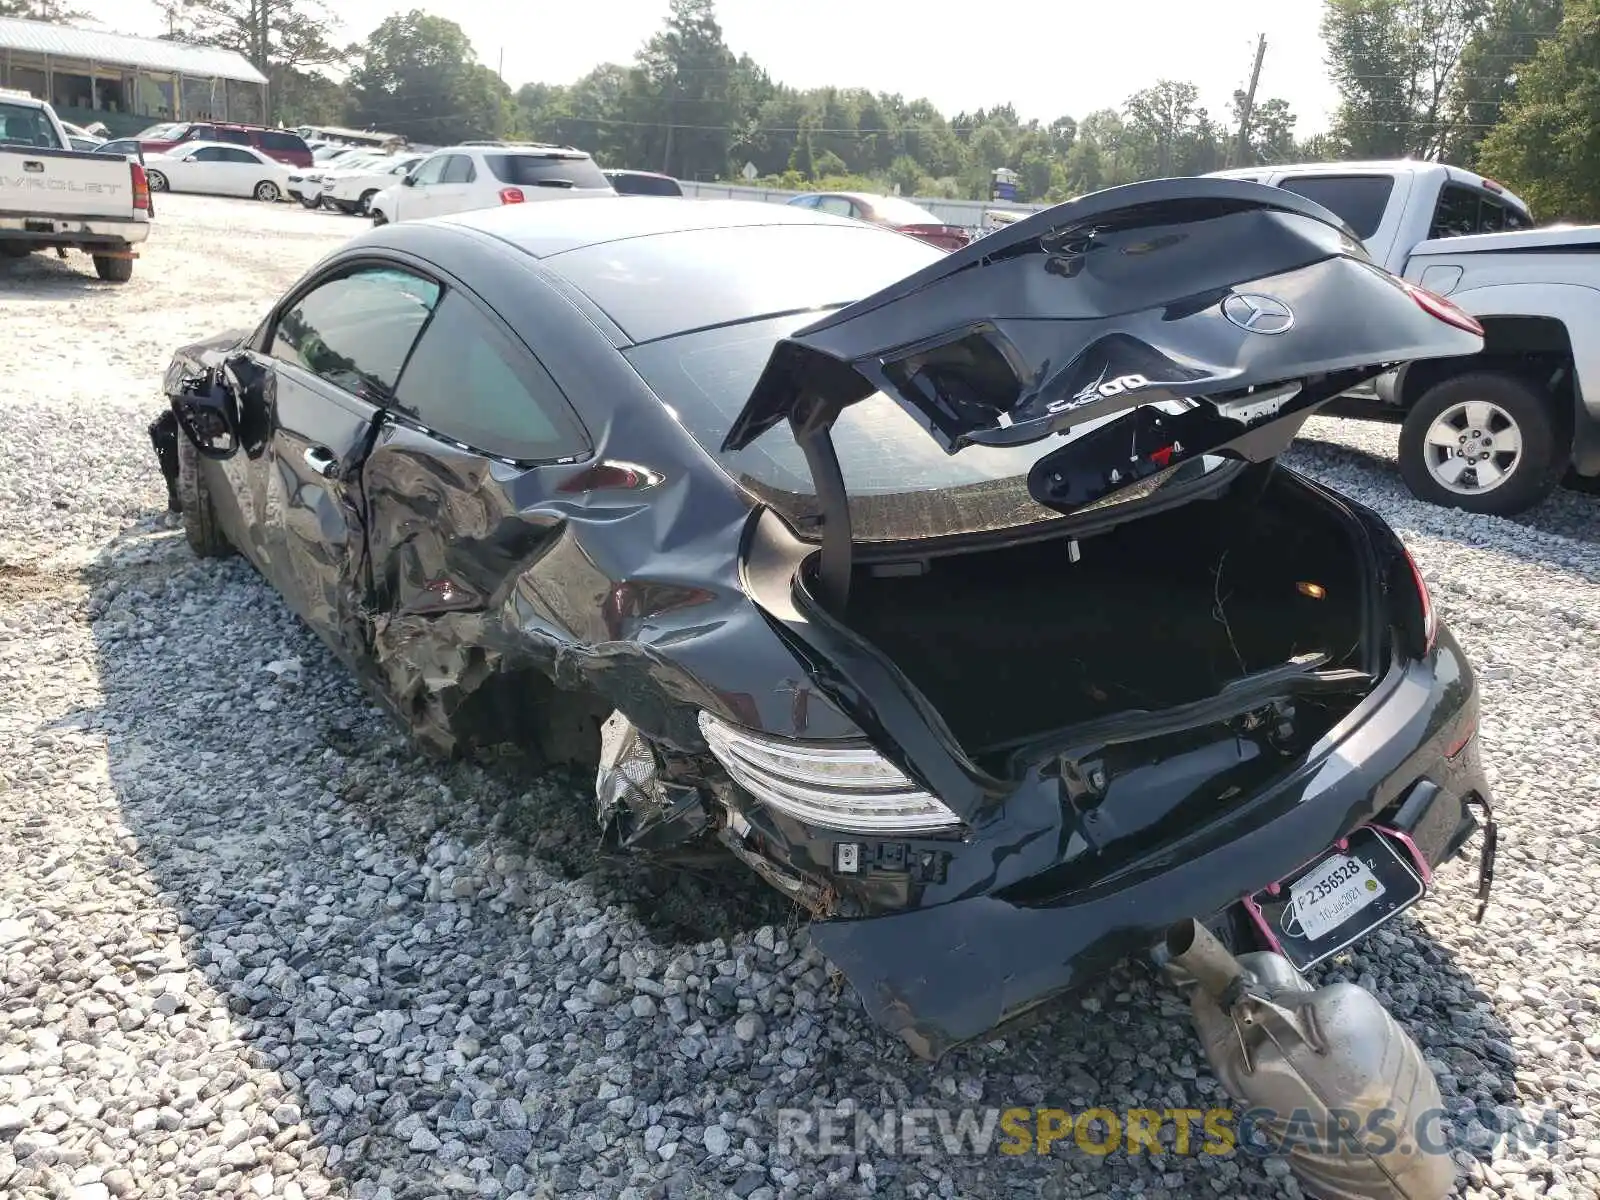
[1242, 152]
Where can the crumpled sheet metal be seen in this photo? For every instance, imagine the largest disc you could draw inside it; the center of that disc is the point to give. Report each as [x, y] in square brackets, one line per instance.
[629, 775]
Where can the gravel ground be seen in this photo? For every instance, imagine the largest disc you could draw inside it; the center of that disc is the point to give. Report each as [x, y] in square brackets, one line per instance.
[251, 944]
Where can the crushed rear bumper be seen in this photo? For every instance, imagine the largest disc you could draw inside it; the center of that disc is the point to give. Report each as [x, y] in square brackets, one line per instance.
[948, 973]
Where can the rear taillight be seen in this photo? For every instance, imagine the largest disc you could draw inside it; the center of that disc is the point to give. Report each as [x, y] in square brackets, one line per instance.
[1429, 620]
[141, 189]
[1437, 306]
[511, 196]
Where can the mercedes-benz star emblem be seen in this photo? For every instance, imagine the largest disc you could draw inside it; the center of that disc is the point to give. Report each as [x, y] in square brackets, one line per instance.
[1258, 314]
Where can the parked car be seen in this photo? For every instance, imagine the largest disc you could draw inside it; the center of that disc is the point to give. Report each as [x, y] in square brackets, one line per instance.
[306, 186]
[278, 144]
[890, 211]
[218, 169]
[351, 190]
[1493, 431]
[488, 175]
[643, 183]
[54, 197]
[973, 613]
[122, 148]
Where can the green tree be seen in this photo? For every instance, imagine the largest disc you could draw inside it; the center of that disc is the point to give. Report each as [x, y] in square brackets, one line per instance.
[1395, 63]
[1271, 134]
[1547, 146]
[1490, 69]
[281, 38]
[418, 76]
[1163, 123]
[53, 11]
[685, 77]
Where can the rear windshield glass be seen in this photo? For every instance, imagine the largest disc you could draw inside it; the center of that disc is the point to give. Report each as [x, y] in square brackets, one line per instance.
[545, 170]
[1358, 199]
[672, 283]
[645, 185]
[902, 486]
[22, 125]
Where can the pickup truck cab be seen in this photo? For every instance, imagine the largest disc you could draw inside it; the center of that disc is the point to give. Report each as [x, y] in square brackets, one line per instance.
[54, 197]
[1492, 432]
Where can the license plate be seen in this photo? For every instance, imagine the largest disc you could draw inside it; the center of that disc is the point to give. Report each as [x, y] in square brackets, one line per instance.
[1339, 888]
[1338, 899]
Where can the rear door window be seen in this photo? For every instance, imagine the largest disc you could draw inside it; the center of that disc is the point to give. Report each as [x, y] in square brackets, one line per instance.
[239, 137]
[430, 171]
[356, 329]
[472, 383]
[545, 170]
[1358, 200]
[839, 206]
[458, 168]
[1457, 212]
[272, 140]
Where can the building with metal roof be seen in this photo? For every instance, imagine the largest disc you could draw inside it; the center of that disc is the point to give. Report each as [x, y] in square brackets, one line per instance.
[125, 82]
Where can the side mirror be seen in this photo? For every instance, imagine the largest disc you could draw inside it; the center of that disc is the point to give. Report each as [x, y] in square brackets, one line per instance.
[207, 414]
[246, 380]
[409, 181]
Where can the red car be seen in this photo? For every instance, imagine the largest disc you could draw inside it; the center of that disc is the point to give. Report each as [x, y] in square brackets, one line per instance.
[280, 144]
[892, 211]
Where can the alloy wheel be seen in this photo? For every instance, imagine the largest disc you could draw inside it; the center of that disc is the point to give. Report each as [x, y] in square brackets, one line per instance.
[1473, 447]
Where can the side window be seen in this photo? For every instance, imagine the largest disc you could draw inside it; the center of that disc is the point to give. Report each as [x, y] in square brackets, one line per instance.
[355, 330]
[837, 205]
[209, 154]
[458, 169]
[239, 156]
[805, 201]
[430, 171]
[200, 133]
[472, 383]
[1457, 214]
[238, 137]
[1358, 200]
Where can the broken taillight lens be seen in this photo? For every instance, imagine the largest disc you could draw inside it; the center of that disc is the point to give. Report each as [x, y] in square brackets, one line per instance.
[1437, 306]
[141, 189]
[511, 196]
[846, 786]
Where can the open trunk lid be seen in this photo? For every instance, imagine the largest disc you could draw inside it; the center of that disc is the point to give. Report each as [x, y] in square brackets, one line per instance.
[1186, 316]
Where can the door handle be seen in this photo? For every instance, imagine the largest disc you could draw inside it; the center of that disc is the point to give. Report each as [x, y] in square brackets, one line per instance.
[322, 462]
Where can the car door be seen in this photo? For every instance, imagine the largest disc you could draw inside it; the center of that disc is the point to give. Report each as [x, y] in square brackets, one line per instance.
[457, 488]
[455, 191]
[326, 363]
[198, 170]
[415, 201]
[238, 171]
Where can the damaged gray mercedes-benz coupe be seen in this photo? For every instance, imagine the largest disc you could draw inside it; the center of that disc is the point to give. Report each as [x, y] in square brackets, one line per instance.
[959, 595]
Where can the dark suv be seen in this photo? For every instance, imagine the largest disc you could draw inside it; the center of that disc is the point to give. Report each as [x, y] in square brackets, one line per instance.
[288, 148]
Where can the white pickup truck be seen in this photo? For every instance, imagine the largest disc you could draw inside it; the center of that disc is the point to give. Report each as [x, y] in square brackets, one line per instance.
[1494, 432]
[54, 197]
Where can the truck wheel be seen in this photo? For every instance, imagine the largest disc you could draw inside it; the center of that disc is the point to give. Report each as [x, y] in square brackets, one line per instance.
[200, 524]
[1484, 442]
[113, 270]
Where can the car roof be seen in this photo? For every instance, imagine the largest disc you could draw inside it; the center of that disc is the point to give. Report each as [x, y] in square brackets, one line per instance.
[199, 144]
[557, 226]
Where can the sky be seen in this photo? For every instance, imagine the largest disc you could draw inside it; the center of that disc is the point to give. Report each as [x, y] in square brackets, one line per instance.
[1047, 60]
